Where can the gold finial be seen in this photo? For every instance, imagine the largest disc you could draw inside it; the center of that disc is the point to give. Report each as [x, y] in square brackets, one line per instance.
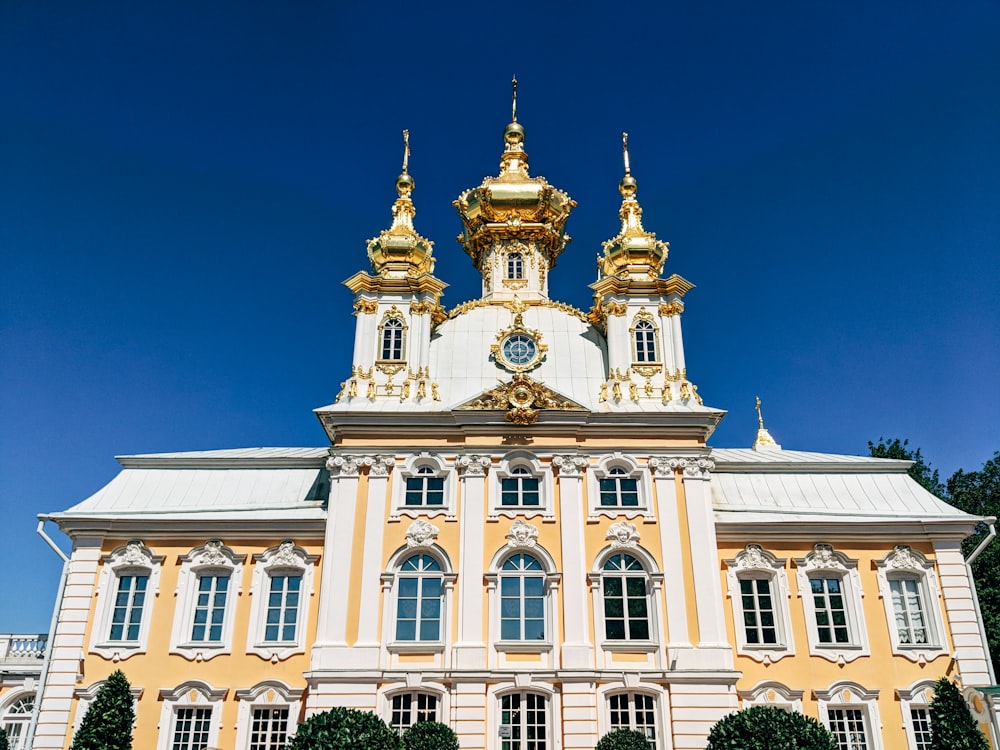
[513, 99]
[764, 440]
[628, 170]
[760, 417]
[406, 150]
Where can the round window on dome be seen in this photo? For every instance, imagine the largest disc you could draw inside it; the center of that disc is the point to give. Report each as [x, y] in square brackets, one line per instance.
[519, 351]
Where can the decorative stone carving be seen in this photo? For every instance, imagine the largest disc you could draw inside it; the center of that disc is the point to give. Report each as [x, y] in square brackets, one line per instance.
[753, 557]
[695, 467]
[342, 466]
[380, 466]
[522, 534]
[285, 555]
[623, 534]
[473, 466]
[570, 466]
[212, 554]
[823, 557]
[523, 398]
[136, 553]
[421, 533]
[902, 558]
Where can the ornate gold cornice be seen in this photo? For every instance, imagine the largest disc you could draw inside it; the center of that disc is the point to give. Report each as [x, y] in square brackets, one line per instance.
[522, 398]
[511, 304]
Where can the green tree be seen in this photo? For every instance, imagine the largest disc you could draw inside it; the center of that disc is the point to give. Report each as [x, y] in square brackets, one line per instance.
[769, 728]
[623, 739]
[107, 725]
[978, 492]
[952, 724]
[345, 729]
[921, 471]
[4, 745]
[430, 735]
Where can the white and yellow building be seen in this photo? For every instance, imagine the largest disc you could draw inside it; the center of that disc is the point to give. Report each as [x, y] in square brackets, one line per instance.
[517, 528]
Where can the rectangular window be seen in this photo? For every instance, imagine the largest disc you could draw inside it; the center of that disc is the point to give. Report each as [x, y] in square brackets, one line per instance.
[409, 708]
[831, 610]
[524, 715]
[282, 608]
[848, 727]
[210, 608]
[625, 612]
[522, 608]
[519, 491]
[424, 490]
[14, 732]
[619, 492]
[269, 730]
[636, 712]
[126, 617]
[921, 728]
[758, 611]
[418, 617]
[191, 728]
[907, 604]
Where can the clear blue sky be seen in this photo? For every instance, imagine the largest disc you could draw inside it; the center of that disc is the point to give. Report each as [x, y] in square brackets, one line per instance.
[184, 187]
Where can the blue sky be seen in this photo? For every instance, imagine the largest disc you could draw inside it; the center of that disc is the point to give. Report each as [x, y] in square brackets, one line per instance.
[184, 187]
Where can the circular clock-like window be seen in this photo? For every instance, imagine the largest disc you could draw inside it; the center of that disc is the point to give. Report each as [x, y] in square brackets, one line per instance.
[519, 350]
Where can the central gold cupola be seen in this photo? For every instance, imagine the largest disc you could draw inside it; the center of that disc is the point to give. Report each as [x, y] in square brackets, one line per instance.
[514, 223]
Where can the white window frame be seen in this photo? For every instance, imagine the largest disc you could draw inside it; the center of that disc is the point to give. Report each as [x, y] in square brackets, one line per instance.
[212, 558]
[658, 716]
[193, 694]
[413, 684]
[825, 562]
[552, 712]
[521, 541]
[774, 694]
[642, 316]
[283, 559]
[848, 695]
[534, 468]
[905, 563]
[390, 699]
[756, 563]
[408, 470]
[134, 558]
[391, 314]
[85, 696]
[266, 694]
[417, 544]
[625, 538]
[514, 270]
[918, 696]
[19, 719]
[633, 470]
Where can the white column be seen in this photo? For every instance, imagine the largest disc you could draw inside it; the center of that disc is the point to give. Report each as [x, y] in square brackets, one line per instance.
[364, 338]
[675, 596]
[365, 653]
[667, 343]
[469, 651]
[675, 326]
[619, 346]
[331, 627]
[577, 650]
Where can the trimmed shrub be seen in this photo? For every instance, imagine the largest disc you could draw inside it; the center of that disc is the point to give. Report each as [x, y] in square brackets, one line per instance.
[430, 735]
[769, 728]
[952, 724]
[107, 725]
[623, 739]
[345, 729]
[4, 745]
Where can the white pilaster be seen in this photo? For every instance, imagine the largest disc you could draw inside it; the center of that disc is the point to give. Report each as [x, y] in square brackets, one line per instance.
[971, 653]
[577, 650]
[668, 517]
[678, 342]
[469, 651]
[365, 653]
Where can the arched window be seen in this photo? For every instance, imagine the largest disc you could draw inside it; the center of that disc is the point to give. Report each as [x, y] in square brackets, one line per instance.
[635, 711]
[426, 488]
[16, 719]
[520, 488]
[418, 599]
[618, 490]
[626, 602]
[525, 714]
[392, 339]
[645, 341]
[407, 709]
[515, 266]
[522, 599]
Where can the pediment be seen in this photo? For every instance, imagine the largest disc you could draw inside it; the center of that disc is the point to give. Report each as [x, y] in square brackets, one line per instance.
[522, 399]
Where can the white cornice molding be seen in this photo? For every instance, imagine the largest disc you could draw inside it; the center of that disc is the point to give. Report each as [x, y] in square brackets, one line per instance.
[771, 527]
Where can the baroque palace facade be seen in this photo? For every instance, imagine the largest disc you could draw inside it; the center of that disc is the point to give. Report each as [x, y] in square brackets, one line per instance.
[517, 529]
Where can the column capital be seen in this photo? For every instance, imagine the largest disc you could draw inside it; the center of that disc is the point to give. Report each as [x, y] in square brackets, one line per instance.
[343, 466]
[694, 467]
[571, 466]
[473, 466]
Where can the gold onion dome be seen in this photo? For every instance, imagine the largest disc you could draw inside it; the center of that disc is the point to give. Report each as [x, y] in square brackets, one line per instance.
[514, 205]
[399, 250]
[634, 252]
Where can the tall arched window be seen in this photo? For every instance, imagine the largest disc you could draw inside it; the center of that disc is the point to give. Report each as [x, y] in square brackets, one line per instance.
[522, 599]
[418, 599]
[645, 341]
[392, 339]
[525, 714]
[626, 601]
[515, 266]
[16, 719]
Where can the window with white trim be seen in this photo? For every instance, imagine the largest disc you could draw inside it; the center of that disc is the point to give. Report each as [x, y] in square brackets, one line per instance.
[406, 709]
[908, 585]
[830, 589]
[644, 341]
[392, 338]
[914, 703]
[269, 728]
[127, 588]
[850, 712]
[522, 599]
[424, 486]
[617, 486]
[15, 720]
[268, 712]
[191, 715]
[208, 583]
[774, 694]
[519, 489]
[635, 711]
[920, 721]
[618, 490]
[192, 728]
[419, 599]
[625, 592]
[515, 266]
[279, 607]
[85, 696]
[519, 486]
[425, 489]
[526, 716]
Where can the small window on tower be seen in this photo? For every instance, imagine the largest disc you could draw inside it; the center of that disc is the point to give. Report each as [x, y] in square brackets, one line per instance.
[645, 342]
[515, 266]
[392, 340]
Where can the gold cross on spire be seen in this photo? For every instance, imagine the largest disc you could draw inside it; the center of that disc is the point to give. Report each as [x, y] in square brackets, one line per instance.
[406, 150]
[513, 99]
[760, 417]
[628, 169]
[764, 439]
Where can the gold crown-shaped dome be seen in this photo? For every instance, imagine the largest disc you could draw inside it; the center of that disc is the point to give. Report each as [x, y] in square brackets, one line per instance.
[514, 205]
[633, 252]
[399, 251]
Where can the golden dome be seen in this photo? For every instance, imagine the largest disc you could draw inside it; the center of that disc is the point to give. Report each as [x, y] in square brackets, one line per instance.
[514, 205]
[634, 252]
[399, 251]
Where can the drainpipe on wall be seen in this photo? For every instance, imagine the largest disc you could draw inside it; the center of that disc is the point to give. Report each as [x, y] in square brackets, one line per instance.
[43, 678]
[991, 522]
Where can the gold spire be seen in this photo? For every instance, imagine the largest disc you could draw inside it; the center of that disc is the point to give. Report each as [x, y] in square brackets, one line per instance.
[634, 252]
[400, 251]
[513, 99]
[764, 440]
